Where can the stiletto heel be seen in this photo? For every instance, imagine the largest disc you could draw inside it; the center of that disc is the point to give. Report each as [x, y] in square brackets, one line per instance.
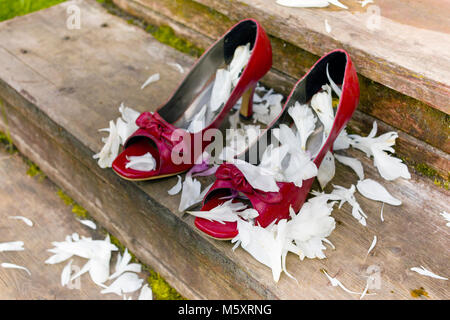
[231, 183]
[246, 111]
[224, 73]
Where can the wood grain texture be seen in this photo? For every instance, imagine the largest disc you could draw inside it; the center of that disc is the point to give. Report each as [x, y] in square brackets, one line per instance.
[97, 70]
[193, 21]
[37, 200]
[405, 55]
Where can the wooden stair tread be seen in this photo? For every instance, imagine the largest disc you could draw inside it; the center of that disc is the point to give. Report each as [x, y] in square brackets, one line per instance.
[36, 198]
[409, 52]
[60, 86]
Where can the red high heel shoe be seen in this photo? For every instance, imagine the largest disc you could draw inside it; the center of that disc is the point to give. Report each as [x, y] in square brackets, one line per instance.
[164, 133]
[274, 206]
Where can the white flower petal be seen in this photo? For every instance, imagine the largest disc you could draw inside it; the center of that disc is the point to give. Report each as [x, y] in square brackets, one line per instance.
[24, 219]
[375, 191]
[427, 273]
[176, 188]
[444, 214]
[240, 59]
[389, 167]
[14, 266]
[259, 178]
[146, 293]
[144, 162]
[374, 242]
[110, 150]
[327, 28]
[353, 163]
[198, 122]
[11, 246]
[342, 141]
[123, 265]
[88, 223]
[327, 170]
[322, 104]
[333, 85]
[126, 283]
[338, 4]
[190, 193]
[305, 121]
[303, 3]
[336, 283]
[264, 244]
[221, 89]
[65, 274]
[153, 78]
[177, 66]
[226, 212]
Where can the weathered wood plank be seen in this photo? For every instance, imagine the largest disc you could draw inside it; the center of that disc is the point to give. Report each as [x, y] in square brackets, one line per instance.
[142, 215]
[37, 200]
[290, 62]
[403, 57]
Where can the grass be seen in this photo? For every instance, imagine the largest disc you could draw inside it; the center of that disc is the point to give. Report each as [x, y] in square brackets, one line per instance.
[12, 8]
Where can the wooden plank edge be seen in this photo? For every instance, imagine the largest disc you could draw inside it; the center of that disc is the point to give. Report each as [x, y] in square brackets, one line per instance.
[183, 256]
[377, 100]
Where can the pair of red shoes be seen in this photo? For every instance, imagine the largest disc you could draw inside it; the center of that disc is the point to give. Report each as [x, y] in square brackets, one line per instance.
[164, 133]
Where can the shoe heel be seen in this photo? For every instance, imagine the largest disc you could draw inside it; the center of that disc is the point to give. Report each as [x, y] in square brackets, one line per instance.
[247, 103]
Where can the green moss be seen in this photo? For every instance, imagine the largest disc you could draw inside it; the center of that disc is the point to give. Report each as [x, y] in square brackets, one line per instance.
[78, 210]
[161, 289]
[166, 35]
[426, 170]
[34, 171]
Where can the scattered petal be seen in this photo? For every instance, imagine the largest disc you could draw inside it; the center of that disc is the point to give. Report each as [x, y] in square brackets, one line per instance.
[333, 85]
[335, 283]
[126, 283]
[110, 150]
[375, 191]
[305, 121]
[176, 188]
[353, 163]
[303, 3]
[228, 211]
[190, 193]
[326, 170]
[153, 78]
[258, 177]
[443, 214]
[24, 219]
[177, 66]
[322, 104]
[88, 223]
[146, 293]
[145, 162]
[427, 273]
[327, 28]
[11, 246]
[374, 242]
[221, 89]
[14, 266]
[126, 124]
[65, 274]
[123, 265]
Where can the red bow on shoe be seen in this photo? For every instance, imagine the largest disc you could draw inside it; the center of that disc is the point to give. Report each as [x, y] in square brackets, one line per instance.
[231, 173]
[154, 125]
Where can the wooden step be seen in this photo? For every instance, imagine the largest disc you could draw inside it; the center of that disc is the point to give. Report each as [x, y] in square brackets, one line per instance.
[404, 66]
[37, 199]
[59, 86]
